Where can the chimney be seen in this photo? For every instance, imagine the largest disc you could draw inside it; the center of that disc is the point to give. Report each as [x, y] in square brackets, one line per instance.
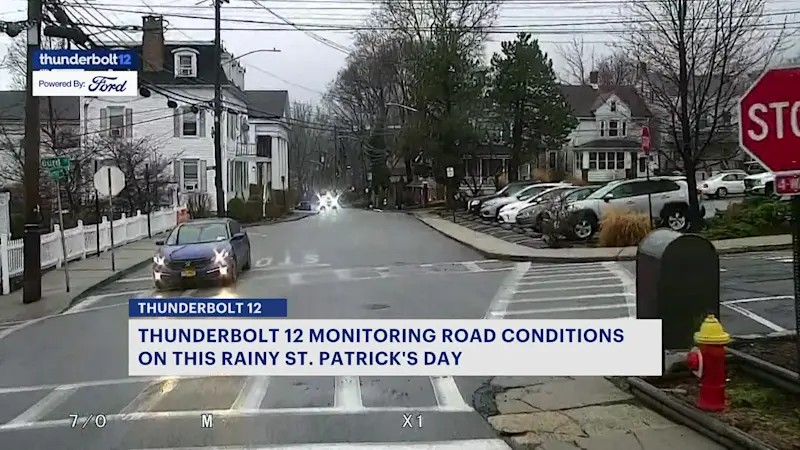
[594, 76]
[153, 43]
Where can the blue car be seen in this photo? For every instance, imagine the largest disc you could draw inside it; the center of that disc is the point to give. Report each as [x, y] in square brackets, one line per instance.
[205, 251]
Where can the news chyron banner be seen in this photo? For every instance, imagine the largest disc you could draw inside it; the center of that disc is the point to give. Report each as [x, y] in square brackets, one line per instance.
[85, 73]
[253, 337]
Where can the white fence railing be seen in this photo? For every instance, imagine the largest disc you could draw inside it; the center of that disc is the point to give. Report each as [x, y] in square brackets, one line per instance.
[82, 241]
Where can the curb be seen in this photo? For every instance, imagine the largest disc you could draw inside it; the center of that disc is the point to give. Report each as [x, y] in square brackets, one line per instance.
[295, 218]
[591, 259]
[103, 283]
[678, 411]
[539, 259]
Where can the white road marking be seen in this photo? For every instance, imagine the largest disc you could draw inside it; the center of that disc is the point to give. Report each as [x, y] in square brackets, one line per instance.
[757, 299]
[628, 283]
[134, 280]
[43, 406]
[96, 298]
[295, 278]
[551, 281]
[448, 396]
[755, 317]
[467, 444]
[343, 274]
[498, 306]
[252, 394]
[568, 298]
[149, 396]
[569, 288]
[227, 413]
[472, 267]
[566, 276]
[347, 394]
[10, 330]
[559, 310]
[291, 267]
[84, 384]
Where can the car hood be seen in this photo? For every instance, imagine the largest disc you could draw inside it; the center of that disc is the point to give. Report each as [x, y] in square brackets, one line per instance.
[760, 176]
[192, 251]
[500, 201]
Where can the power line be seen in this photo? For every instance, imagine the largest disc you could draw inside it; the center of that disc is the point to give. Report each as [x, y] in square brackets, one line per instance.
[313, 35]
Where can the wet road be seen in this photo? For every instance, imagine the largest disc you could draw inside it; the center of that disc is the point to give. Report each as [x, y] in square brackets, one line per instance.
[350, 264]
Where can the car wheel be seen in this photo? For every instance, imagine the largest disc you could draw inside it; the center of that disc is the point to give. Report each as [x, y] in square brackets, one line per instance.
[585, 227]
[722, 192]
[232, 275]
[246, 265]
[160, 286]
[675, 218]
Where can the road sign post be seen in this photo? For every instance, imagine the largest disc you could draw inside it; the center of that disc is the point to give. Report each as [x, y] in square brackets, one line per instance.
[57, 169]
[770, 133]
[451, 172]
[646, 149]
[110, 181]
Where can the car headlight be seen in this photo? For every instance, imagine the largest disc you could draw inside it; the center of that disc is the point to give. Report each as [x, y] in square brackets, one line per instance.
[159, 261]
[473, 202]
[220, 256]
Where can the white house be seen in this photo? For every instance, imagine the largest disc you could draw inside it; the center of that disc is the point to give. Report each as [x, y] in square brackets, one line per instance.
[606, 144]
[175, 112]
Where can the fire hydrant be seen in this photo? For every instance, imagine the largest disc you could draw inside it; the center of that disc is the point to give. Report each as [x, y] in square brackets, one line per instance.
[708, 363]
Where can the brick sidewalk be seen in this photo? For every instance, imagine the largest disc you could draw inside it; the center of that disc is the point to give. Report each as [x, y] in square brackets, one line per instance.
[84, 275]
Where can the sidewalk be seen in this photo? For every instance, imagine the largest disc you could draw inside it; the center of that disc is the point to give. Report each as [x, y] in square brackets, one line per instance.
[492, 247]
[85, 275]
[588, 413]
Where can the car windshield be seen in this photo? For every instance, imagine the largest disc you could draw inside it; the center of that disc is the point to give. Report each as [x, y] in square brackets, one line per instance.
[531, 192]
[198, 233]
[600, 193]
[515, 189]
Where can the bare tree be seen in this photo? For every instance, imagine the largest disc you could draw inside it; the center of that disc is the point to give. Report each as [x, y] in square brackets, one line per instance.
[577, 59]
[311, 139]
[15, 59]
[700, 56]
[616, 69]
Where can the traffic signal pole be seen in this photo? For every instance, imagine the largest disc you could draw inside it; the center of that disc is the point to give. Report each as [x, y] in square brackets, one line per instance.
[32, 276]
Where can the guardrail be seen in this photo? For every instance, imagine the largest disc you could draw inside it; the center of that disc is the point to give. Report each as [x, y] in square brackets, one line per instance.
[81, 241]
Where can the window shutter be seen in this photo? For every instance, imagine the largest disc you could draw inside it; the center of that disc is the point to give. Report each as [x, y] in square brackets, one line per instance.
[201, 122]
[176, 170]
[176, 120]
[103, 122]
[129, 122]
[203, 175]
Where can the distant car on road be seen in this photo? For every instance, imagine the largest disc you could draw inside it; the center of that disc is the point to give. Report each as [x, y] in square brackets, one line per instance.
[723, 184]
[202, 251]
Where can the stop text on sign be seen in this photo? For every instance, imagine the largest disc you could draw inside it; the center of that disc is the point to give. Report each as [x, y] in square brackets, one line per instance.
[761, 114]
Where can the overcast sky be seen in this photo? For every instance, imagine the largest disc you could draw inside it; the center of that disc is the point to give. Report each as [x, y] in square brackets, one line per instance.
[305, 66]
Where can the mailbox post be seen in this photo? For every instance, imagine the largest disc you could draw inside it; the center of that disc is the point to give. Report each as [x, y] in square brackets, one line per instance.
[677, 281]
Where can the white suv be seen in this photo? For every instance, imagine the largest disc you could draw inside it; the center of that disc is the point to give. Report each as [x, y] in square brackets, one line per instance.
[669, 197]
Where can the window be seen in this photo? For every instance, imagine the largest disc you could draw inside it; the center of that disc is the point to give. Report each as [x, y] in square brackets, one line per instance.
[624, 128]
[602, 129]
[643, 164]
[191, 175]
[116, 121]
[185, 62]
[606, 160]
[233, 119]
[625, 190]
[613, 106]
[664, 186]
[730, 177]
[613, 128]
[264, 146]
[189, 122]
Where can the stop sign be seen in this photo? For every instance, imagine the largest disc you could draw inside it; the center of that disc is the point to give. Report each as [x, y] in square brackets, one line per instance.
[769, 120]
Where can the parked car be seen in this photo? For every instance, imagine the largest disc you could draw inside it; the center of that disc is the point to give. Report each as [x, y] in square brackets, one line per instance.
[723, 184]
[474, 204]
[532, 215]
[491, 208]
[202, 251]
[508, 213]
[669, 197]
[760, 184]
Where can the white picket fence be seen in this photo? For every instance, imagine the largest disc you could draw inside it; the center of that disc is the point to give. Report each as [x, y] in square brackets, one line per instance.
[81, 241]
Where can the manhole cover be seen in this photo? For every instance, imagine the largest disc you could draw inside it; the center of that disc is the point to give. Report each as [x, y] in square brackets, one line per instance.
[377, 306]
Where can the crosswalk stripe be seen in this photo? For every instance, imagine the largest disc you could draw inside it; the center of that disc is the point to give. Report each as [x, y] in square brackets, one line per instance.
[568, 298]
[347, 395]
[43, 406]
[447, 395]
[560, 310]
[252, 394]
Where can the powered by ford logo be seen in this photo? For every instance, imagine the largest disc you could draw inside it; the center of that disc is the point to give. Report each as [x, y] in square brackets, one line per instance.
[107, 84]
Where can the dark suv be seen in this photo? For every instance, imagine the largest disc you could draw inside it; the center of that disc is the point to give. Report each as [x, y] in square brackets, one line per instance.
[474, 204]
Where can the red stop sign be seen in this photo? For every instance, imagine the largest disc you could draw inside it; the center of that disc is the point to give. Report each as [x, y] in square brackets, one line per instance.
[769, 120]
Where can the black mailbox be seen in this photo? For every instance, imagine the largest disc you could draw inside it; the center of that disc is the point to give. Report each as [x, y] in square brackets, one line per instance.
[677, 281]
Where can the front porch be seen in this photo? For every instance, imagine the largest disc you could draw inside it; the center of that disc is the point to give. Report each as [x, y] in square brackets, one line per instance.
[604, 160]
[484, 168]
[251, 170]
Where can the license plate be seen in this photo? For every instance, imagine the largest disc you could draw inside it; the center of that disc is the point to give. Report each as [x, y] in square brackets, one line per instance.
[188, 273]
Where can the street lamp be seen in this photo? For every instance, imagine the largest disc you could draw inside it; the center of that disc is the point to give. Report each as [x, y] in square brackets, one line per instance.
[262, 50]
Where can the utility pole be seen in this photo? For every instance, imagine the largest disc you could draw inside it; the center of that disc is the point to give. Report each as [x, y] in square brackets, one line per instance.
[335, 158]
[218, 108]
[32, 287]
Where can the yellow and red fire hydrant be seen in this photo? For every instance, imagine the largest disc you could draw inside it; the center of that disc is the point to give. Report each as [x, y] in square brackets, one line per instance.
[707, 362]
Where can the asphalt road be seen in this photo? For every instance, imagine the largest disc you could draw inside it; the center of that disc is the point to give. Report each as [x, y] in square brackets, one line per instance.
[350, 264]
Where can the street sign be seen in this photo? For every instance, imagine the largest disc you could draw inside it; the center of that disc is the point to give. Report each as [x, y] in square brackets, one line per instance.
[109, 181]
[55, 163]
[646, 139]
[451, 172]
[768, 125]
[787, 184]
